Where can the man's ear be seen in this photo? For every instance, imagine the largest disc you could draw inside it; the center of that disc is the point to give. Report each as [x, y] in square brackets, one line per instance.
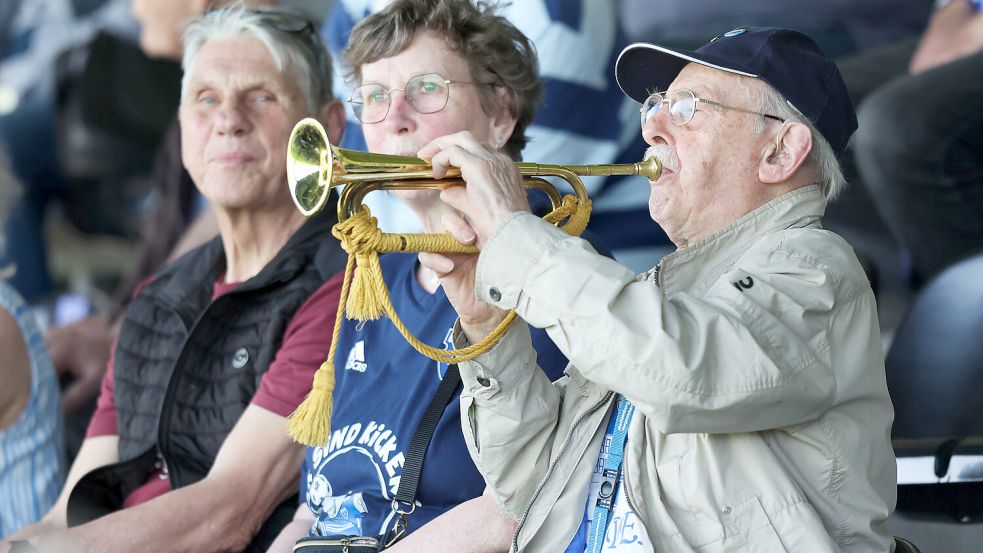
[783, 156]
[332, 116]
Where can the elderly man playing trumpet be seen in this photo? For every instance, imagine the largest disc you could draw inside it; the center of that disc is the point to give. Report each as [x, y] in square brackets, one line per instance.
[731, 399]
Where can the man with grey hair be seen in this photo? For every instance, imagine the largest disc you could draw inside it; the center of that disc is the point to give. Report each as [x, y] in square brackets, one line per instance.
[733, 398]
[188, 449]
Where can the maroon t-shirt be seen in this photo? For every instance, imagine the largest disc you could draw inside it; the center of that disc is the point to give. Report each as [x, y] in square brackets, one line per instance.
[281, 389]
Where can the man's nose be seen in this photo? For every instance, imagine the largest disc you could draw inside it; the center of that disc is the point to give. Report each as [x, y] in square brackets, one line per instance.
[654, 130]
[231, 118]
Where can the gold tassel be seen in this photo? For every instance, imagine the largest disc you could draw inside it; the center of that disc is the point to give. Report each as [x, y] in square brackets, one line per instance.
[364, 302]
[310, 423]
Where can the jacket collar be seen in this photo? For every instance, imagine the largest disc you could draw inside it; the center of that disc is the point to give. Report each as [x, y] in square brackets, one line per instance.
[699, 265]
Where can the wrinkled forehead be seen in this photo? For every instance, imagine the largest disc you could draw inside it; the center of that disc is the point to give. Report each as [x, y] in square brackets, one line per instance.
[237, 57]
[426, 52]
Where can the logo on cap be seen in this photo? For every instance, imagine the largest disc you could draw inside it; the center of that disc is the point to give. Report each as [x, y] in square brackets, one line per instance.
[728, 34]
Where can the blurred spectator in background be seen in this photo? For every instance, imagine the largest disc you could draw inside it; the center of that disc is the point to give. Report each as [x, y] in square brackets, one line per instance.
[584, 117]
[919, 148]
[33, 34]
[179, 221]
[840, 27]
[30, 453]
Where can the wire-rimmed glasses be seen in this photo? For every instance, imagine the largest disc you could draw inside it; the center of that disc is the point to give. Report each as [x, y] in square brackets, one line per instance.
[682, 106]
[427, 93]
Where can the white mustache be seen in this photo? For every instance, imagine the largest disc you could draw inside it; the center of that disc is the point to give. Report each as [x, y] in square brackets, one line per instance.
[665, 155]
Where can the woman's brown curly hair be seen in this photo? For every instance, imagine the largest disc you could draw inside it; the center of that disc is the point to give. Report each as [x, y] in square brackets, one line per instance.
[497, 53]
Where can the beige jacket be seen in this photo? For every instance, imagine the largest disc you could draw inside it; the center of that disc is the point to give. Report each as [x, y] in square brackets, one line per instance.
[753, 357]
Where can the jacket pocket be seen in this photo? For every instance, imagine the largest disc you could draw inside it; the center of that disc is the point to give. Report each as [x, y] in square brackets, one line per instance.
[749, 520]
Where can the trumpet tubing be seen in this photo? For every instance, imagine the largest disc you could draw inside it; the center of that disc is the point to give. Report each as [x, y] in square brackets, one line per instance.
[314, 167]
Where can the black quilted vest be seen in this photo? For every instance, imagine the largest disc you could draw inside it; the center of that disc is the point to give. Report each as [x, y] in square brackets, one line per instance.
[186, 367]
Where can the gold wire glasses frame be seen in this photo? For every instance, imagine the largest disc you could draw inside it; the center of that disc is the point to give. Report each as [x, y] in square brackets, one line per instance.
[682, 106]
[427, 93]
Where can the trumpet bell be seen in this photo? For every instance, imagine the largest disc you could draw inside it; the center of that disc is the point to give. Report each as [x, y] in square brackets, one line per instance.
[314, 166]
[309, 160]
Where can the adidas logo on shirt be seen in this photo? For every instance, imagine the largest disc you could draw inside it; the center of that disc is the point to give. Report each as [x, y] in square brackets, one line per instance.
[356, 358]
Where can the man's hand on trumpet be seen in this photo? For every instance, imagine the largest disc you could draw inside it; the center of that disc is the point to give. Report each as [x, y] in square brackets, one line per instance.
[494, 192]
[494, 188]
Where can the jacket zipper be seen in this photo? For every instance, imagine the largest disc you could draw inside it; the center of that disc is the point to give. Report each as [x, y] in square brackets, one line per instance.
[549, 472]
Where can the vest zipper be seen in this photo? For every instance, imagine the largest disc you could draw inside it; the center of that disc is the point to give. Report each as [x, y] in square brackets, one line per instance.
[162, 436]
[549, 472]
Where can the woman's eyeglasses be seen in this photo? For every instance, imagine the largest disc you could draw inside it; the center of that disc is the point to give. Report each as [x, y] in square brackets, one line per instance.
[427, 93]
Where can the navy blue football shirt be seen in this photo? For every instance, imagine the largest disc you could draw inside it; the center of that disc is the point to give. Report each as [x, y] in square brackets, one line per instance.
[382, 388]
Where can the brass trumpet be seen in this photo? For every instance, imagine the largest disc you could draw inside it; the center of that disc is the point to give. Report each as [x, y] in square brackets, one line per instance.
[314, 167]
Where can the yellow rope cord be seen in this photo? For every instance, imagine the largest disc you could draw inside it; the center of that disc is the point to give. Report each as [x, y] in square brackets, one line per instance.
[365, 296]
[310, 423]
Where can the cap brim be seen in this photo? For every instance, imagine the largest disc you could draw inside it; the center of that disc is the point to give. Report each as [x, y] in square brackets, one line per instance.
[643, 68]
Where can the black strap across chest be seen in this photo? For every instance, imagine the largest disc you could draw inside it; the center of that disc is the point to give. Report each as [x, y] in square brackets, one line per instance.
[405, 502]
[409, 481]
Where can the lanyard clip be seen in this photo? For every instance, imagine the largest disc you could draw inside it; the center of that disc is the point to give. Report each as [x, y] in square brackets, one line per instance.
[609, 482]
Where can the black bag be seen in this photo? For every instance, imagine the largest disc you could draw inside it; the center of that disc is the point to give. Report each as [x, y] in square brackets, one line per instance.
[408, 482]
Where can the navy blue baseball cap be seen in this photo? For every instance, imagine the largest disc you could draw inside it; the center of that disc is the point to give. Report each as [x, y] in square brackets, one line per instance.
[789, 61]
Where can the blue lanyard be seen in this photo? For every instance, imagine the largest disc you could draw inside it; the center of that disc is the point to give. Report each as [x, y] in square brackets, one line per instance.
[618, 428]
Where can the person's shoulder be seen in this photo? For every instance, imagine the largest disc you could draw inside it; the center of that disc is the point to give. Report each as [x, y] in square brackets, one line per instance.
[16, 373]
[17, 320]
[816, 254]
[10, 331]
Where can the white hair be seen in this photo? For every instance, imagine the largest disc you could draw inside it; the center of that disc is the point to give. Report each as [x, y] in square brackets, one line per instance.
[822, 157]
[291, 39]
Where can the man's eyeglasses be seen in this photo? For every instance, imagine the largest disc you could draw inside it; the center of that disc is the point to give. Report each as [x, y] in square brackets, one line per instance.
[682, 106]
[427, 93]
